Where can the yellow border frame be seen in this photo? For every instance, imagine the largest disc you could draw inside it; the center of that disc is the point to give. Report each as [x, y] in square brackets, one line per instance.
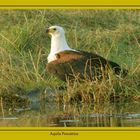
[80, 6]
[83, 133]
[36, 133]
[70, 2]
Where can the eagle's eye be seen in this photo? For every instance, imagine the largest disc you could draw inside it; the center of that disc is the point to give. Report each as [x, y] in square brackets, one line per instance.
[54, 29]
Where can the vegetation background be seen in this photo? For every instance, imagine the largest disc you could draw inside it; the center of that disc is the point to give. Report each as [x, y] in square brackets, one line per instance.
[24, 47]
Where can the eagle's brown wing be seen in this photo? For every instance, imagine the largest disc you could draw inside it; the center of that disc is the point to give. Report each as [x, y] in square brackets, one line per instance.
[72, 64]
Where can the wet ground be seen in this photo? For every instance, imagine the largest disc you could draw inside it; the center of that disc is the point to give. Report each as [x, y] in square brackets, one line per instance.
[45, 111]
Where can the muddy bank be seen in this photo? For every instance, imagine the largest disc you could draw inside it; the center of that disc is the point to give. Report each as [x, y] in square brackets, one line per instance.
[37, 99]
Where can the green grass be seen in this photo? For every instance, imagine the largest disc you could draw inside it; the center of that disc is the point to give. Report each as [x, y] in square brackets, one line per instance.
[24, 46]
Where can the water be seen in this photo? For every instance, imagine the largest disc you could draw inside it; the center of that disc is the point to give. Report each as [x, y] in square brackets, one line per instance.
[45, 110]
[96, 115]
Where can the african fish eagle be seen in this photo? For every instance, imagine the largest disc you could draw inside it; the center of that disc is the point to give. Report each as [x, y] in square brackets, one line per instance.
[66, 63]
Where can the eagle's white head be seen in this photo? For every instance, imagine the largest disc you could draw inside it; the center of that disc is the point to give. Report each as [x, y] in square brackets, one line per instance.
[58, 42]
[55, 31]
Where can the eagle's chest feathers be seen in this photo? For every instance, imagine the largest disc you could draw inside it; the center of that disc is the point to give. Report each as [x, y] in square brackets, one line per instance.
[58, 44]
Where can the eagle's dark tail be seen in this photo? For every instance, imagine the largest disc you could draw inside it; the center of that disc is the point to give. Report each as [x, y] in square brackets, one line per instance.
[117, 69]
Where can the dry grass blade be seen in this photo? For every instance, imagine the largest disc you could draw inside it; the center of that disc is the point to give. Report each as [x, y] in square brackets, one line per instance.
[2, 108]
